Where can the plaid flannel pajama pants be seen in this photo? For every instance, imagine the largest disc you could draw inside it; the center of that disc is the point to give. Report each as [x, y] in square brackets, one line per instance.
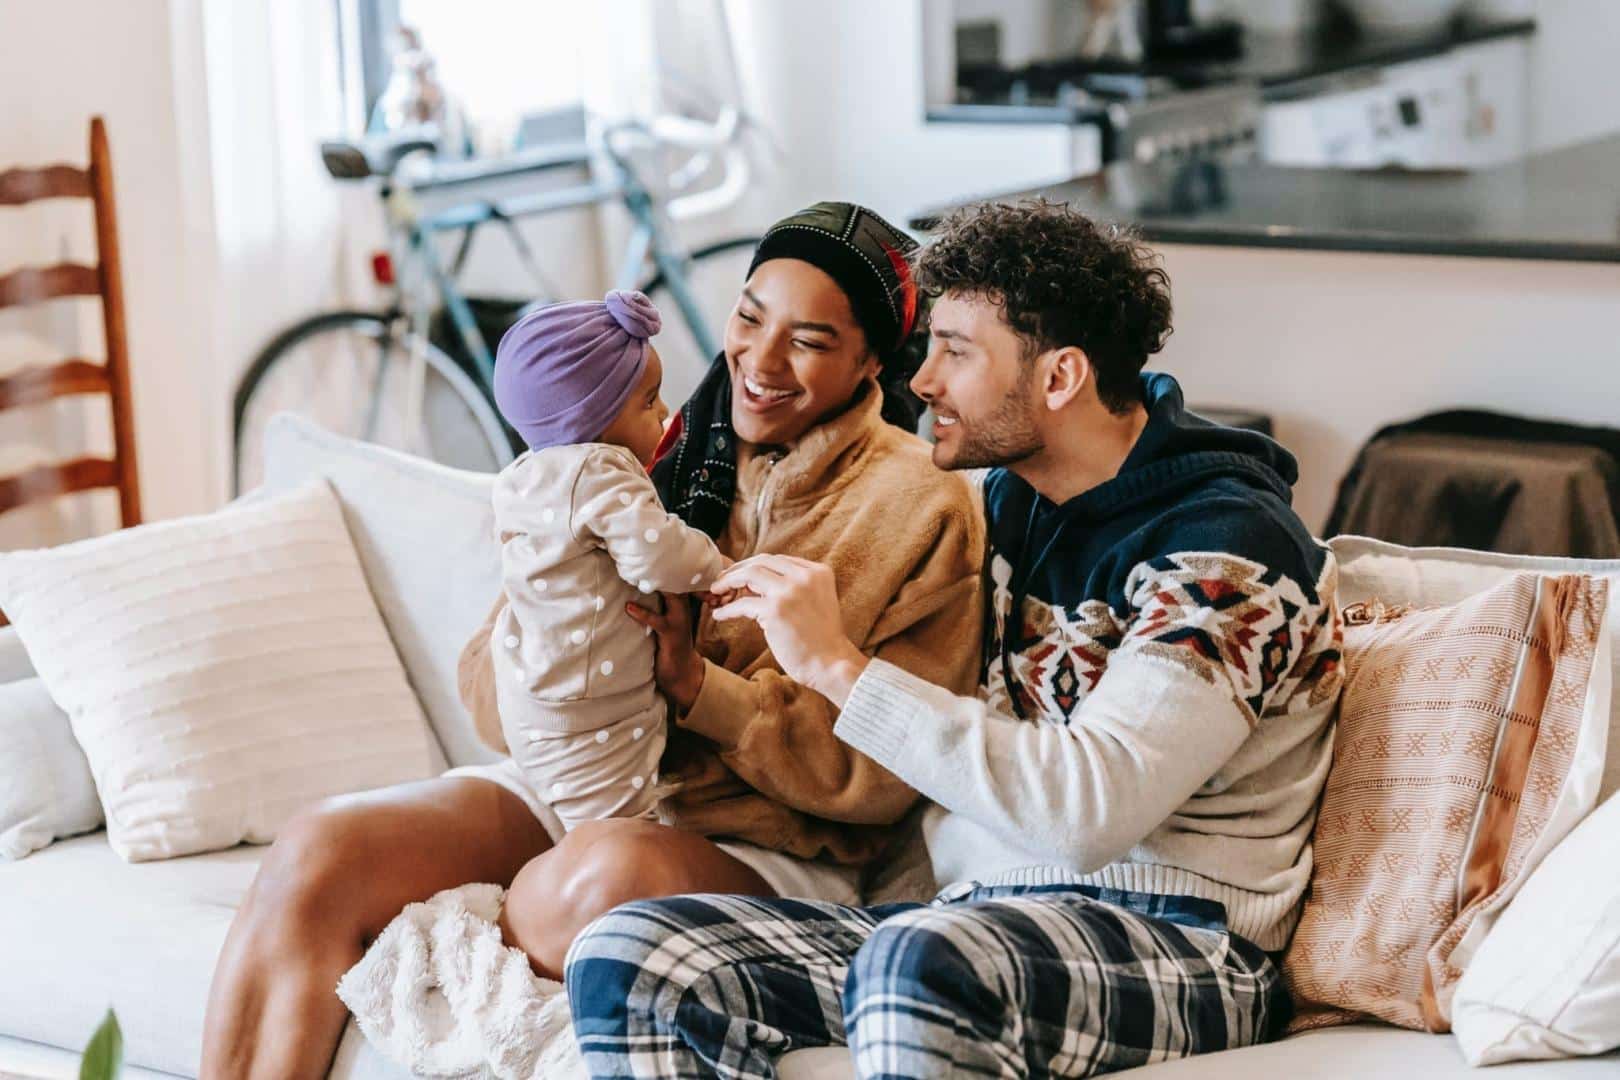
[998, 981]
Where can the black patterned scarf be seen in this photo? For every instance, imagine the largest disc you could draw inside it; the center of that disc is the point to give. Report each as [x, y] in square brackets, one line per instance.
[696, 470]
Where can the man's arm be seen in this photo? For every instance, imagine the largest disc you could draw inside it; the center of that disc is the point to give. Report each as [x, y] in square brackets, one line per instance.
[1083, 792]
[1175, 703]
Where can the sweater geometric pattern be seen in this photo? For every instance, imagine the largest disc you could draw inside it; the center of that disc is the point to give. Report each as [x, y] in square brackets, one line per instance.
[1225, 619]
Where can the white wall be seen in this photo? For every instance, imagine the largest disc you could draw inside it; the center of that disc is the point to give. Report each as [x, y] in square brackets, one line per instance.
[1574, 82]
[60, 63]
[839, 84]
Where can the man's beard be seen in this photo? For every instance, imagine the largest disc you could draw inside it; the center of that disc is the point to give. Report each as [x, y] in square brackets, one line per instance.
[1005, 437]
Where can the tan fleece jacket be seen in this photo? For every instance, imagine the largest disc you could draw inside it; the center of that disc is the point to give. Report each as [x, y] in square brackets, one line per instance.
[756, 755]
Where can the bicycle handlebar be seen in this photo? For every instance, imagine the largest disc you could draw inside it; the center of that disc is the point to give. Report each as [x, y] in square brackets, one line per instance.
[702, 139]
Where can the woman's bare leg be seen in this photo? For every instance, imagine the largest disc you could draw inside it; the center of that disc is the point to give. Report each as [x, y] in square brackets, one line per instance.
[334, 878]
[602, 864]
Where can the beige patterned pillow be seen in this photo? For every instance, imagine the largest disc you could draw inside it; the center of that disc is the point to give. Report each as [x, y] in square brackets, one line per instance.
[1457, 729]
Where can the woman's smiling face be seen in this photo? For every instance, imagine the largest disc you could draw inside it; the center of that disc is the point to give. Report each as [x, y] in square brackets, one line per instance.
[795, 351]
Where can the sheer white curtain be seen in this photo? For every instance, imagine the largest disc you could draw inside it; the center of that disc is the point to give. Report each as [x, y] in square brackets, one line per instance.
[285, 239]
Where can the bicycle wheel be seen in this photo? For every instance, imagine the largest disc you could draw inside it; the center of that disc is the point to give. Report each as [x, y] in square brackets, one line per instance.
[351, 373]
[715, 275]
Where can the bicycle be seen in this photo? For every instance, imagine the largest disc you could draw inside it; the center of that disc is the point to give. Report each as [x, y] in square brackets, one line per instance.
[375, 375]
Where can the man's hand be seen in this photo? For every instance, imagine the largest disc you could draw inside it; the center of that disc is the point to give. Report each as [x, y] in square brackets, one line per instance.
[677, 668]
[795, 602]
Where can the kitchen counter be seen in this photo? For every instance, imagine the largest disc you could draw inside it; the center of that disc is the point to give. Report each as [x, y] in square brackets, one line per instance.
[1561, 205]
[1282, 65]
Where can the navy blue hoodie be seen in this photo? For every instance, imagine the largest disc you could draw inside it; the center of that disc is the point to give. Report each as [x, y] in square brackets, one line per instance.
[1196, 522]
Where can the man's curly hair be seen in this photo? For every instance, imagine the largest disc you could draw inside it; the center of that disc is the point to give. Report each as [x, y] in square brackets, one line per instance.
[1060, 279]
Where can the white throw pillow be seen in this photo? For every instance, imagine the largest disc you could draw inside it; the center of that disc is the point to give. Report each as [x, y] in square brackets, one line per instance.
[1546, 981]
[46, 791]
[426, 538]
[221, 672]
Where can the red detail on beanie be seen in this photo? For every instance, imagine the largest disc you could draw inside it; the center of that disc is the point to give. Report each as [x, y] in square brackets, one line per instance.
[908, 291]
[672, 435]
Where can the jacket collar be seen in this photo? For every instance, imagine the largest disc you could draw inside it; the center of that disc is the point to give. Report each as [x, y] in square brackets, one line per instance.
[824, 458]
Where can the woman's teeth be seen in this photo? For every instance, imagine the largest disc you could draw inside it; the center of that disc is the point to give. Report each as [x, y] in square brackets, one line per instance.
[766, 392]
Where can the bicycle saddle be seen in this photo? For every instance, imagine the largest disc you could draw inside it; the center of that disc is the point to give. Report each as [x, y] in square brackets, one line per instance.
[373, 155]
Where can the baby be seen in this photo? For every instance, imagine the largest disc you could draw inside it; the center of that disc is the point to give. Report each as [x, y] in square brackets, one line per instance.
[582, 533]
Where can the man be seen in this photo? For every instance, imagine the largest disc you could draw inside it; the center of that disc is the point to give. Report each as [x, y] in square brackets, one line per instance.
[1121, 819]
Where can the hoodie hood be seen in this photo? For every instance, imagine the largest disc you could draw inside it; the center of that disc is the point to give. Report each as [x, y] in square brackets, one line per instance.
[1178, 450]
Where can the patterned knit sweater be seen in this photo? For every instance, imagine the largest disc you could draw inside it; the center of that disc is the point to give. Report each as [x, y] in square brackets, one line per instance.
[1155, 712]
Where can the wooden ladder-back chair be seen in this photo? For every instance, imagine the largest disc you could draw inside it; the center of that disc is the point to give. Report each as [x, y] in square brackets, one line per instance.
[38, 384]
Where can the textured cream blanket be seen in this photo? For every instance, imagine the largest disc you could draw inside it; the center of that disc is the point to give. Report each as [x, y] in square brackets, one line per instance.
[439, 993]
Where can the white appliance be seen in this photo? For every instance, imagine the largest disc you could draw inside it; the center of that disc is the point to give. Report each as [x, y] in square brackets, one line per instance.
[1464, 109]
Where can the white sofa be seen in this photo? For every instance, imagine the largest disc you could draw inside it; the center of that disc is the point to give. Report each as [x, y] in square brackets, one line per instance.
[81, 930]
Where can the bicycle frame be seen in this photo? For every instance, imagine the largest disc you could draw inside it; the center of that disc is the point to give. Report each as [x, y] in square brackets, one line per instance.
[648, 240]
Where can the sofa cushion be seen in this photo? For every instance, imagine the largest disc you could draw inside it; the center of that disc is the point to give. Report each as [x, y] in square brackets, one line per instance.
[426, 538]
[1346, 1053]
[81, 930]
[1460, 732]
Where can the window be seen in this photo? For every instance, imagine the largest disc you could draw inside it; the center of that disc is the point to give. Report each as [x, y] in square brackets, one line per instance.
[506, 64]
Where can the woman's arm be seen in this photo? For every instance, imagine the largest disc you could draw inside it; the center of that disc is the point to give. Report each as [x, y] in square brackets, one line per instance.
[475, 681]
[777, 735]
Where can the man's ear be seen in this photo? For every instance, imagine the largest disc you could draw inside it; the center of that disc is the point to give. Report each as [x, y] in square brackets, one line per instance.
[1068, 373]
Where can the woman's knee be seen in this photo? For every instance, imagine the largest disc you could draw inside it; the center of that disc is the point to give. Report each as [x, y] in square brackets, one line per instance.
[595, 868]
[310, 880]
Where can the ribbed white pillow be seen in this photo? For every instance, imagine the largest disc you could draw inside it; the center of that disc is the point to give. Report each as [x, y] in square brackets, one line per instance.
[221, 672]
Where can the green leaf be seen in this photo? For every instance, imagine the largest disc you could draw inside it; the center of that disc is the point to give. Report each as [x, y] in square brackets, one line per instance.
[104, 1057]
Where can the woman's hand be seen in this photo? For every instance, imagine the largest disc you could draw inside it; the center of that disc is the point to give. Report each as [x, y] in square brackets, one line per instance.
[795, 602]
[677, 668]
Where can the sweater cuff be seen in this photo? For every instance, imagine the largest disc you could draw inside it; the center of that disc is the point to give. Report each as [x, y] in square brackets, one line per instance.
[723, 707]
[881, 711]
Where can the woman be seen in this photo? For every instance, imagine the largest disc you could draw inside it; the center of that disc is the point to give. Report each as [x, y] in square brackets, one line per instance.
[784, 449]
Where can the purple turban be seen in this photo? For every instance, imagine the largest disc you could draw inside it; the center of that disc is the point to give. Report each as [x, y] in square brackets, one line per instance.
[563, 373]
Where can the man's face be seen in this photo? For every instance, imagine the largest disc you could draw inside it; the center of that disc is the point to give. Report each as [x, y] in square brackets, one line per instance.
[980, 386]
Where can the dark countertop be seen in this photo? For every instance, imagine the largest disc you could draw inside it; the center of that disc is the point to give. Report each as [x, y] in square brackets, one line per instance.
[1282, 65]
[1560, 205]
